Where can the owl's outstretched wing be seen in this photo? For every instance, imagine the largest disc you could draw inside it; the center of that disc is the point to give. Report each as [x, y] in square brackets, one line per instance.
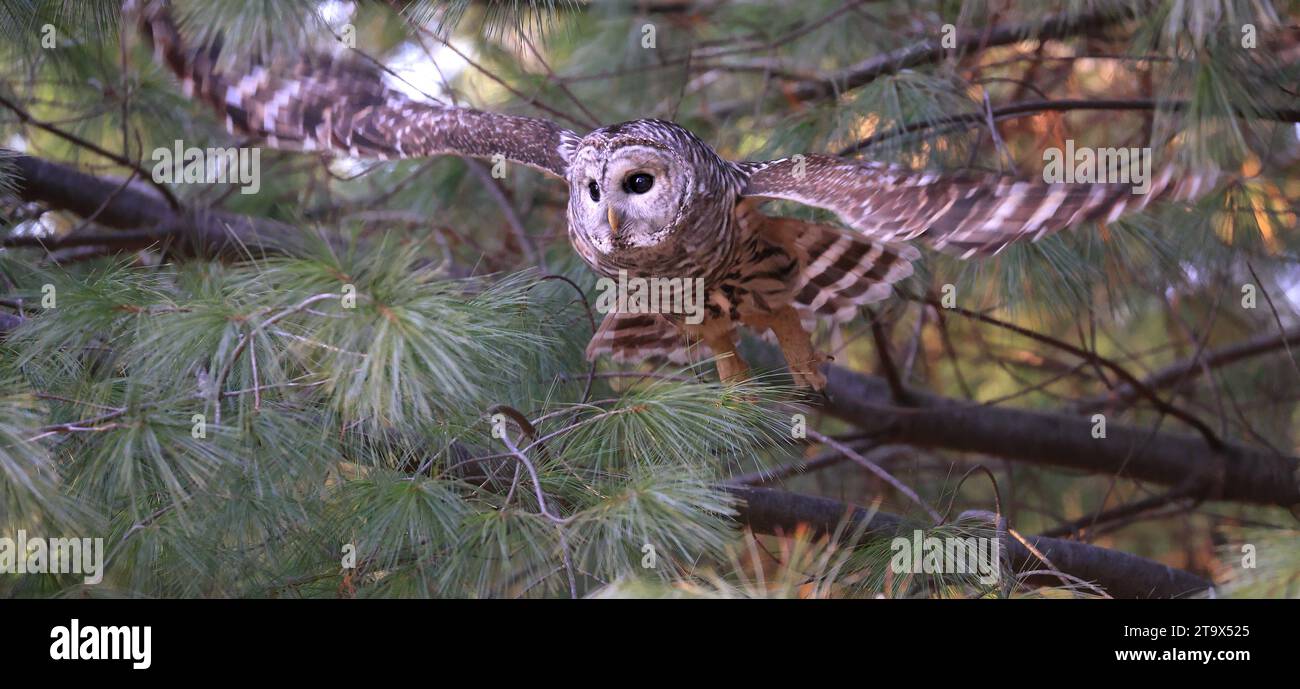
[343, 106]
[964, 214]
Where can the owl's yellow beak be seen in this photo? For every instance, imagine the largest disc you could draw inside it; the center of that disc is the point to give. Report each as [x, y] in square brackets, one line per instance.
[613, 220]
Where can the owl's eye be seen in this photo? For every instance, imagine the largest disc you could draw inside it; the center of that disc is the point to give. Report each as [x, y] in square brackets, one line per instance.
[638, 183]
[594, 191]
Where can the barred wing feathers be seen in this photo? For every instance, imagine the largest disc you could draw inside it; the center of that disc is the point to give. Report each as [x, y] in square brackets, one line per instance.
[639, 337]
[969, 215]
[841, 271]
[343, 106]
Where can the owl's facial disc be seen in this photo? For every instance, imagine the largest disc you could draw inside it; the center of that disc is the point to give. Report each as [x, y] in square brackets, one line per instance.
[634, 199]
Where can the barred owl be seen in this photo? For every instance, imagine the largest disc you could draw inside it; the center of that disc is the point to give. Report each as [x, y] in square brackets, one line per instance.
[651, 199]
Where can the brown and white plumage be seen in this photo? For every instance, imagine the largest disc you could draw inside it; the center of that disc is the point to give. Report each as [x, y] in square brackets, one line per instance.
[697, 216]
[965, 214]
[838, 273]
[343, 106]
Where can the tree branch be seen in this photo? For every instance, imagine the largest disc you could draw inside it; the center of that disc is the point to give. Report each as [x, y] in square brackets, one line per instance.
[1184, 371]
[25, 117]
[1121, 575]
[931, 51]
[1249, 474]
[1211, 438]
[125, 239]
[198, 232]
[1013, 110]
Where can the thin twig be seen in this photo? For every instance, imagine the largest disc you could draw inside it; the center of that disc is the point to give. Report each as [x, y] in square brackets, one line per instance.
[875, 469]
[1211, 438]
[27, 118]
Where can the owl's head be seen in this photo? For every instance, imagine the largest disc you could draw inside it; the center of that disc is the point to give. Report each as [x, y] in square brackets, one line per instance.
[628, 190]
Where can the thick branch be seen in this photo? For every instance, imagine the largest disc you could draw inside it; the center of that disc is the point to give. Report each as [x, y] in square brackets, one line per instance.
[201, 232]
[1249, 474]
[1121, 575]
[24, 116]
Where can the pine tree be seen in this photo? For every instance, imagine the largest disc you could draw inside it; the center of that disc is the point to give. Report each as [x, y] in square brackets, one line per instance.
[369, 379]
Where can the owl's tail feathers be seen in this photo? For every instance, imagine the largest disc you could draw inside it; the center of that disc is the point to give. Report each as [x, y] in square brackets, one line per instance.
[843, 270]
[637, 337]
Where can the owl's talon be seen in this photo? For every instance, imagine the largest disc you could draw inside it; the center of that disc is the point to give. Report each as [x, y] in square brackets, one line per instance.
[732, 369]
[732, 375]
[813, 397]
